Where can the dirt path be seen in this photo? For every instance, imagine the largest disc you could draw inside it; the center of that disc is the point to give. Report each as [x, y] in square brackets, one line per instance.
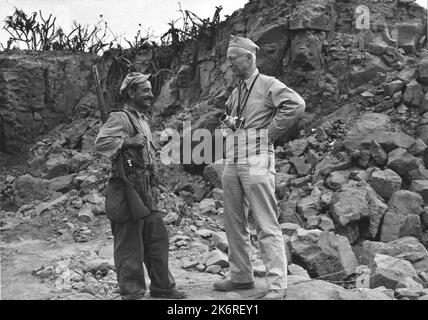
[55, 266]
[19, 259]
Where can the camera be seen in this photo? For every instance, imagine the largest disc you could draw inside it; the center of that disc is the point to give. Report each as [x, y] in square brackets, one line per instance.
[231, 122]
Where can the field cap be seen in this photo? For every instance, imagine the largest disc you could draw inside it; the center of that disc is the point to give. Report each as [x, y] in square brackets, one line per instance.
[133, 78]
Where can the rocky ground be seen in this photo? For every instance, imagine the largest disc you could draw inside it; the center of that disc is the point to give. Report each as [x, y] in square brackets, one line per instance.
[352, 188]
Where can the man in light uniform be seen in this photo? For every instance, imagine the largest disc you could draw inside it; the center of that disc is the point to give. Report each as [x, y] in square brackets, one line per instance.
[249, 175]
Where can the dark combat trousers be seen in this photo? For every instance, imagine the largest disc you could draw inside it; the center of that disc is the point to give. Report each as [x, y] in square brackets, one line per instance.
[145, 241]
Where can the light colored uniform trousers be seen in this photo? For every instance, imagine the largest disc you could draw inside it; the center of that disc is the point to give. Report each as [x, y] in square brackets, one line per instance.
[254, 182]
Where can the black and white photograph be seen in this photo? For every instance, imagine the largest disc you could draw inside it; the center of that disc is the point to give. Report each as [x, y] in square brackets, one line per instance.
[209, 156]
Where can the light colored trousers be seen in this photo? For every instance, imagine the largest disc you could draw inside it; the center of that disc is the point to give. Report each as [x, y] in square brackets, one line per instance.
[254, 182]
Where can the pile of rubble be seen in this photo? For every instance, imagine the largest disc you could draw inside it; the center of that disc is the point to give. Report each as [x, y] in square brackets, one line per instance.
[64, 181]
[88, 272]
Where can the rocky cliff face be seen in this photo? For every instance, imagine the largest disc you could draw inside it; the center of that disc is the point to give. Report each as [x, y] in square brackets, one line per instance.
[40, 90]
[312, 46]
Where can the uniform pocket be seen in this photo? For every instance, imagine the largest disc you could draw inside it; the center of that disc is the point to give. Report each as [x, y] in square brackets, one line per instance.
[261, 165]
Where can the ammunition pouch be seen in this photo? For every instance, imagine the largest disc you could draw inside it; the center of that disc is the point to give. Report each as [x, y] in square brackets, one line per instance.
[128, 194]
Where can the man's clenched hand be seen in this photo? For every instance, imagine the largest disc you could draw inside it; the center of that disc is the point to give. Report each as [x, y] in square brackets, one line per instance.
[136, 141]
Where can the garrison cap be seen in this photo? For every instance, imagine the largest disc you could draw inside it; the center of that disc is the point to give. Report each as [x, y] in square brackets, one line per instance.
[243, 43]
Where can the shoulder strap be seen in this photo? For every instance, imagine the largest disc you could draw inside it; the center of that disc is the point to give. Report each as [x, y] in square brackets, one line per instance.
[241, 108]
[129, 118]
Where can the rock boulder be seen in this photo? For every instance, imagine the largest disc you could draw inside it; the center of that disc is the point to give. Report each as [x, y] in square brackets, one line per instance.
[389, 271]
[323, 253]
[403, 216]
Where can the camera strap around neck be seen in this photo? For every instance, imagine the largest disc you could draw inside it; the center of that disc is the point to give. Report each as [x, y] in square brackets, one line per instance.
[240, 108]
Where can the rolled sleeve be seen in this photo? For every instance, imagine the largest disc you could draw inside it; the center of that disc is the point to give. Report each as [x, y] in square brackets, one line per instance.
[289, 105]
[111, 136]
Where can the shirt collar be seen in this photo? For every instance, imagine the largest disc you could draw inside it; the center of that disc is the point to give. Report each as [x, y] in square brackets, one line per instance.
[138, 114]
[250, 80]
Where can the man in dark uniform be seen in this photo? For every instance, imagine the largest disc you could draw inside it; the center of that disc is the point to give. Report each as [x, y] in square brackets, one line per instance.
[145, 240]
